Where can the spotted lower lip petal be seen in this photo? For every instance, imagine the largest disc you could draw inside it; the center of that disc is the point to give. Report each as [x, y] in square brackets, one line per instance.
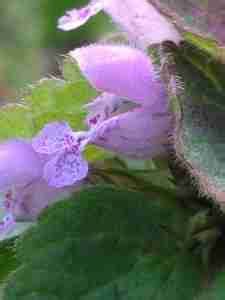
[51, 138]
[65, 169]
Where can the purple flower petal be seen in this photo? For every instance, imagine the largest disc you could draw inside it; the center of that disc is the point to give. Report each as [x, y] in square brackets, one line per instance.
[120, 70]
[19, 164]
[137, 134]
[104, 107]
[53, 137]
[77, 17]
[31, 200]
[65, 169]
[138, 18]
[144, 24]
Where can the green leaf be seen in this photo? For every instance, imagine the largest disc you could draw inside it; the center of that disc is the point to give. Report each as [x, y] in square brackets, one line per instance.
[216, 291]
[94, 153]
[8, 260]
[209, 46]
[55, 99]
[200, 130]
[102, 237]
[50, 100]
[71, 71]
[15, 121]
[200, 16]
[156, 278]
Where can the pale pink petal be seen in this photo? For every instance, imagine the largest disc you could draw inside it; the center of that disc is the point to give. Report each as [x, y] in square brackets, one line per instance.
[31, 200]
[65, 169]
[77, 17]
[120, 70]
[53, 138]
[19, 164]
[137, 134]
[144, 24]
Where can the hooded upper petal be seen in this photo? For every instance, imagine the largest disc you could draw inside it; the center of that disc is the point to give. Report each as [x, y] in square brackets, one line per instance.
[120, 70]
[19, 163]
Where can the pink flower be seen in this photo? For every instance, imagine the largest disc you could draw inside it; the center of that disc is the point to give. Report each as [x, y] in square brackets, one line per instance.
[25, 191]
[132, 116]
[140, 19]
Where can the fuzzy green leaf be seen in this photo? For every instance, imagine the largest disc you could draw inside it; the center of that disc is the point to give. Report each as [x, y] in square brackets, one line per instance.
[15, 121]
[156, 278]
[101, 238]
[55, 99]
[8, 261]
[198, 16]
[50, 100]
[71, 71]
[200, 132]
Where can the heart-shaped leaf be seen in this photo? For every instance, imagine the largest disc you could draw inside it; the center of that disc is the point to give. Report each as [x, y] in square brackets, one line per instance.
[106, 243]
[199, 137]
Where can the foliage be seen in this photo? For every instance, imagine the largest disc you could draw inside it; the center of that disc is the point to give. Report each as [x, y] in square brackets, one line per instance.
[49, 100]
[202, 17]
[200, 140]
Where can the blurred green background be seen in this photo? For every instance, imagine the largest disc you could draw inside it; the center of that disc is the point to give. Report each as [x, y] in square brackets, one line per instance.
[31, 44]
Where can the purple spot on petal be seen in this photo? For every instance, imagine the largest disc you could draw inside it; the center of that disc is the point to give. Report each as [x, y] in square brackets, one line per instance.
[94, 120]
[65, 169]
[84, 12]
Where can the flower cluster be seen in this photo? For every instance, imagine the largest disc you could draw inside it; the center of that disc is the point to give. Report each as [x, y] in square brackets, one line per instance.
[130, 117]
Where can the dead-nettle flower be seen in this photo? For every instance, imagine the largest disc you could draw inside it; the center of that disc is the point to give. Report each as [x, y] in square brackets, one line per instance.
[131, 116]
[138, 133]
[25, 191]
[140, 19]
